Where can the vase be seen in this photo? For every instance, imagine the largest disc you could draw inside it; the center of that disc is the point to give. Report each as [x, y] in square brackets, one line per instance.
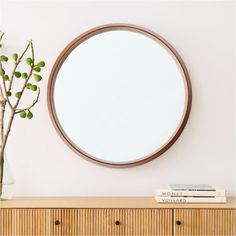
[8, 182]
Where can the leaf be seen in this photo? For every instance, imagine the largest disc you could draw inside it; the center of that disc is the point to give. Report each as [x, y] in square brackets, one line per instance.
[37, 69]
[18, 94]
[29, 61]
[8, 93]
[37, 77]
[3, 58]
[17, 74]
[23, 114]
[41, 64]
[30, 115]
[24, 75]
[33, 87]
[15, 56]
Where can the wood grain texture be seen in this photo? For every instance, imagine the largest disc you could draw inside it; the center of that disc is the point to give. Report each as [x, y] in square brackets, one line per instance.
[148, 222]
[205, 222]
[90, 216]
[5, 222]
[24, 221]
[102, 222]
[55, 214]
[105, 202]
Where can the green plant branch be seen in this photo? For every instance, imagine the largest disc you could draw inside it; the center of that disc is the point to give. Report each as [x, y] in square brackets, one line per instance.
[29, 107]
[3, 103]
[17, 101]
[4, 87]
[16, 65]
[27, 80]
[6, 92]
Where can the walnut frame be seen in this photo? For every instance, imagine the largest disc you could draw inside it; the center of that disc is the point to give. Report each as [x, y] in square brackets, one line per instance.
[78, 40]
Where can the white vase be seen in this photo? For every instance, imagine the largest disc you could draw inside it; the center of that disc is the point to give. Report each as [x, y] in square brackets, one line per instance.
[8, 182]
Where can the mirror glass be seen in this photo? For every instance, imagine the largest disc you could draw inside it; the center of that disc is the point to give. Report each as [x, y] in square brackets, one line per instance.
[119, 96]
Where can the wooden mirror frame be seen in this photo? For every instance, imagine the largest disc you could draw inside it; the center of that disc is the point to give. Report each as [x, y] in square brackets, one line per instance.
[72, 45]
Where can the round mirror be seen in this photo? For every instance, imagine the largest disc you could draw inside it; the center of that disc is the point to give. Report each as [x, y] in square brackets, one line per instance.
[119, 95]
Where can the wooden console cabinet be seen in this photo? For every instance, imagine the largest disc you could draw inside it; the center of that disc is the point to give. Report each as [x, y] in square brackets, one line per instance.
[114, 216]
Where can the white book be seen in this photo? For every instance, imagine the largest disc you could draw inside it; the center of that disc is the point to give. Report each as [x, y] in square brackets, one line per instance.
[189, 190]
[190, 199]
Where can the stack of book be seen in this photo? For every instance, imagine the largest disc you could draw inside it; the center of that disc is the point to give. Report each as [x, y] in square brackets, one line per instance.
[190, 193]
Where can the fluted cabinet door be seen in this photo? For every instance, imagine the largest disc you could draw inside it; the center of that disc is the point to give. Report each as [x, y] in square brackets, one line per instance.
[148, 222]
[204, 222]
[87, 222]
[24, 222]
[5, 222]
[111, 222]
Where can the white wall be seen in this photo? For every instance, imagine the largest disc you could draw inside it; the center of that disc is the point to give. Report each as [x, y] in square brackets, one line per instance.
[203, 34]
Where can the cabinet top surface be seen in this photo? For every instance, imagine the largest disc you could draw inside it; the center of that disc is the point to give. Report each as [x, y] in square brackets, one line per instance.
[105, 202]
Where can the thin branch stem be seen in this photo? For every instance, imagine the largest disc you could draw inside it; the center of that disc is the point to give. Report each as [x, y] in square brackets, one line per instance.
[2, 111]
[29, 107]
[5, 90]
[4, 87]
[8, 131]
[1, 36]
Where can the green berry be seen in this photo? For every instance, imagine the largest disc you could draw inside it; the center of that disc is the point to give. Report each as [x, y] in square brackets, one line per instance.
[8, 93]
[41, 64]
[15, 56]
[30, 115]
[28, 85]
[18, 94]
[2, 72]
[3, 58]
[6, 77]
[17, 74]
[29, 61]
[24, 75]
[23, 114]
[37, 69]
[33, 87]
[37, 77]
